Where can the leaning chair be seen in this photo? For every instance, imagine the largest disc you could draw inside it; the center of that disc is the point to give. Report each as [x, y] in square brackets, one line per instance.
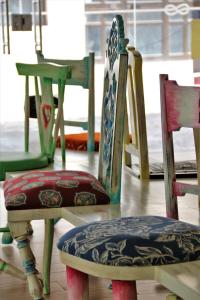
[125, 250]
[82, 75]
[47, 194]
[179, 108]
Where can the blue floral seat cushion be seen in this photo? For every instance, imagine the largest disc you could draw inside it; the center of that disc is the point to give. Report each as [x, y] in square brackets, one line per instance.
[134, 241]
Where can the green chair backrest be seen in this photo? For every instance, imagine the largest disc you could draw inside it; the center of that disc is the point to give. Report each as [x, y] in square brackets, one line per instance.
[44, 76]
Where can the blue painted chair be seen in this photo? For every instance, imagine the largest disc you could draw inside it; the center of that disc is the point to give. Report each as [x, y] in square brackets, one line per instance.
[47, 194]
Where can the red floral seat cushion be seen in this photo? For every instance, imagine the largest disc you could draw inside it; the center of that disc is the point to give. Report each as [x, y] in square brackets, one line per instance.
[50, 189]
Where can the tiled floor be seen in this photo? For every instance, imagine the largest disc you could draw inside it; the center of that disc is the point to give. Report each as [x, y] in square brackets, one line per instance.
[138, 198]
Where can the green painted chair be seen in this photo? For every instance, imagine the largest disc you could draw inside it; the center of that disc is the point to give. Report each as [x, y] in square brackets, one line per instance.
[46, 195]
[82, 75]
[47, 123]
[20, 161]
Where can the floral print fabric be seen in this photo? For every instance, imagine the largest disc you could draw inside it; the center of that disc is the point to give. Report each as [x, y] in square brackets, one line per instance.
[134, 241]
[50, 189]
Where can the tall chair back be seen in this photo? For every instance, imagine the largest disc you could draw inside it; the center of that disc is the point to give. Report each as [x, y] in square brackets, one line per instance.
[113, 109]
[179, 108]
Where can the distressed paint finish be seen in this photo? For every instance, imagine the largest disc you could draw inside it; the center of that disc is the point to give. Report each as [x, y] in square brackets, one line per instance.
[180, 189]
[77, 284]
[125, 290]
[113, 110]
[19, 231]
[82, 75]
[168, 155]
[180, 107]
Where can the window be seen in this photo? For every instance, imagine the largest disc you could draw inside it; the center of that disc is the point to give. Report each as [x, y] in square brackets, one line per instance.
[149, 26]
[29, 7]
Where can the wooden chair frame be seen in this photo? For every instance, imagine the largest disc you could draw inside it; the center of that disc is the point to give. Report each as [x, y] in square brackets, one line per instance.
[138, 146]
[192, 94]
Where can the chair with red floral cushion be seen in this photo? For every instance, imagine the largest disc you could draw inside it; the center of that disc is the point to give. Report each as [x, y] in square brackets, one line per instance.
[44, 75]
[46, 194]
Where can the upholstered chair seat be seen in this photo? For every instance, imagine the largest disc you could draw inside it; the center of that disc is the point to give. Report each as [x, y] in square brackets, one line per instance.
[133, 241]
[132, 248]
[51, 189]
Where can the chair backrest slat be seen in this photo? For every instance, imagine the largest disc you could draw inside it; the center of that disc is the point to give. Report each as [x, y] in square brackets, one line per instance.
[183, 106]
[80, 74]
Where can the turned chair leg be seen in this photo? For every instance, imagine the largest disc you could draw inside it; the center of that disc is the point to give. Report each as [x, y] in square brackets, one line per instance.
[11, 270]
[48, 245]
[125, 290]
[77, 284]
[19, 231]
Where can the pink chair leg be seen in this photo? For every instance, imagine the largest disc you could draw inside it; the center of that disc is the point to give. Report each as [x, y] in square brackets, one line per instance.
[77, 284]
[124, 290]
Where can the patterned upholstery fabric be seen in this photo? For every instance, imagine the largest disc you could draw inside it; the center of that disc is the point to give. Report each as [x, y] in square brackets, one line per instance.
[134, 241]
[49, 189]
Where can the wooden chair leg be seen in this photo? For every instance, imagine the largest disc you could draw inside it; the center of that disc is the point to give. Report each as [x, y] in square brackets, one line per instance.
[48, 245]
[125, 290]
[19, 231]
[7, 237]
[11, 270]
[77, 284]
